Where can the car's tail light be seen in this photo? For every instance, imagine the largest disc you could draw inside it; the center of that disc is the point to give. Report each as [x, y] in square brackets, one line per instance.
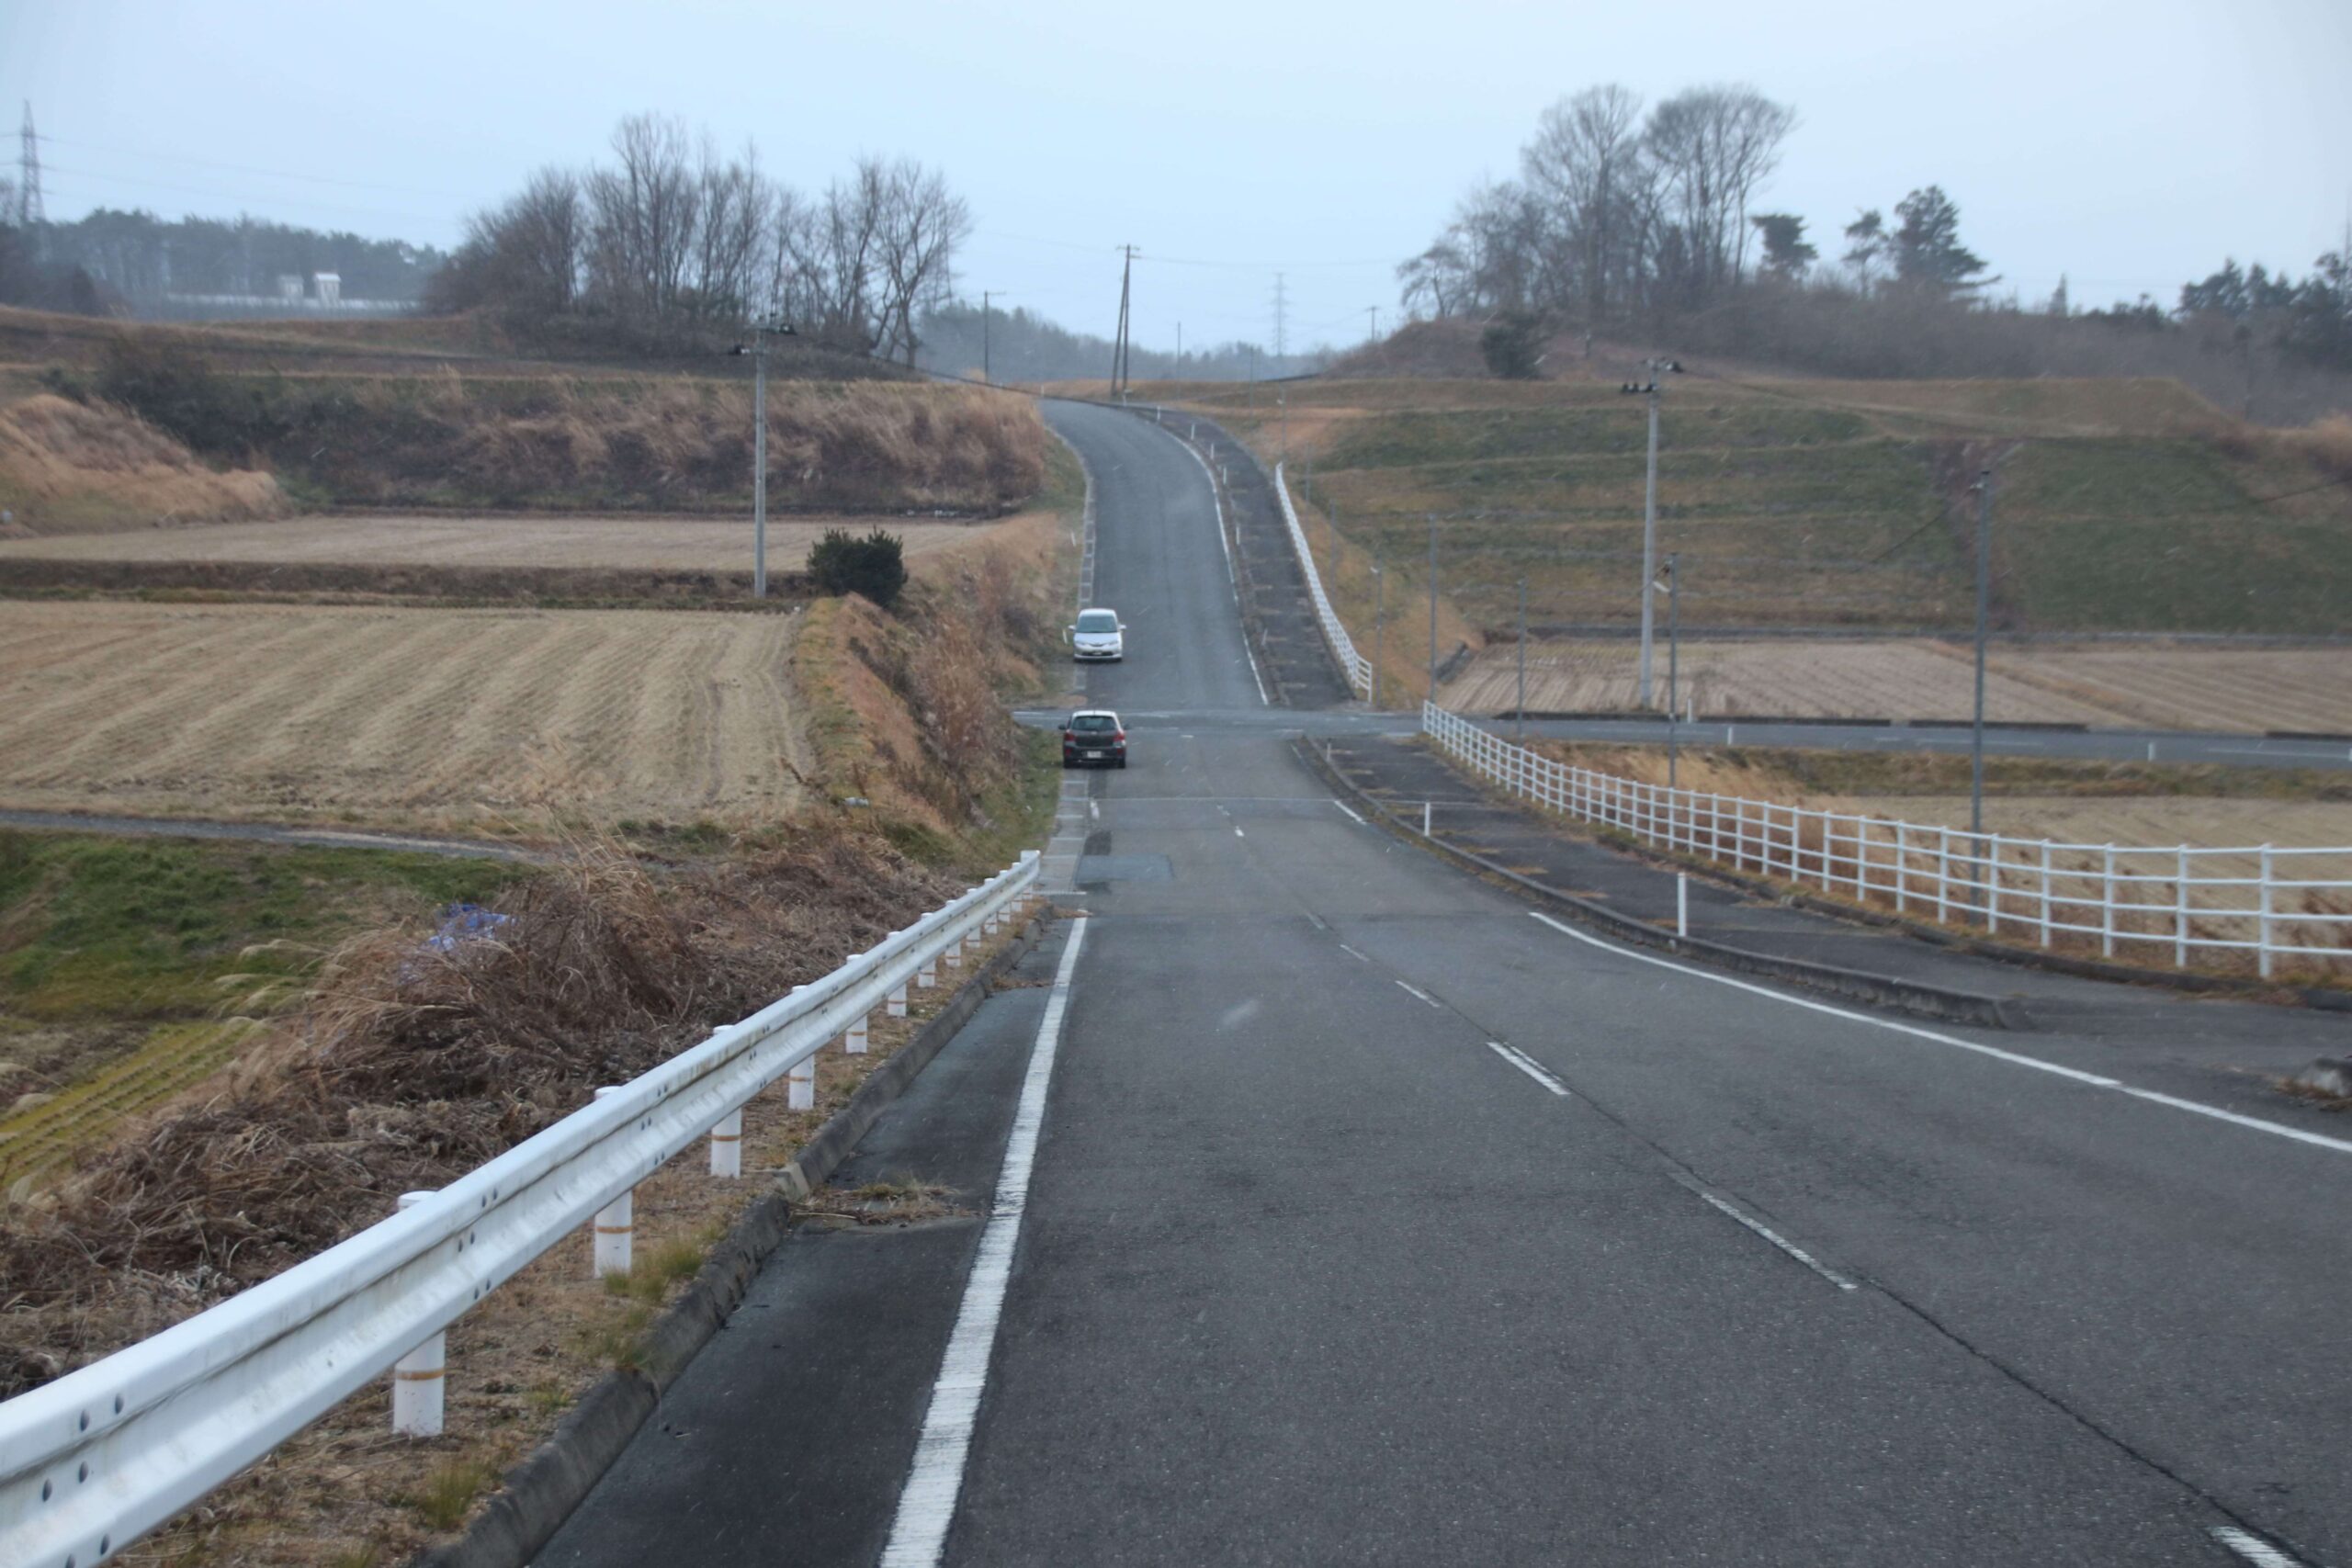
[1120, 736]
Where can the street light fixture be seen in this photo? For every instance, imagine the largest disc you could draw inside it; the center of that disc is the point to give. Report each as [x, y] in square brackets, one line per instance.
[1649, 505]
[758, 352]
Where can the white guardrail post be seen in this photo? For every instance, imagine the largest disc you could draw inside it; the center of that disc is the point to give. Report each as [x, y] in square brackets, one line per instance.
[96, 1458]
[420, 1379]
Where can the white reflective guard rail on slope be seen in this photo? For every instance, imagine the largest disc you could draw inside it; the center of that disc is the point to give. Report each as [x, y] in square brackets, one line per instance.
[92, 1460]
[1354, 665]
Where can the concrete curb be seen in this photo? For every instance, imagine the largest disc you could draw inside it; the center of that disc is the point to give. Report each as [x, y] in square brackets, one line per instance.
[541, 1492]
[1853, 985]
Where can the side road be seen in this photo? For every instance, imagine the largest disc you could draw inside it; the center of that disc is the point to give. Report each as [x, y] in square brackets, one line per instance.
[2235, 1045]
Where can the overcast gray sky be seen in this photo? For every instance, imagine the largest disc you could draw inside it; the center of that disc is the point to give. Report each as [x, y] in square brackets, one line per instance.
[2131, 146]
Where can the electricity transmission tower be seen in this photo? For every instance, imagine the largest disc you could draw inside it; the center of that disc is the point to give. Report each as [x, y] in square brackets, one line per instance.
[30, 213]
[1119, 343]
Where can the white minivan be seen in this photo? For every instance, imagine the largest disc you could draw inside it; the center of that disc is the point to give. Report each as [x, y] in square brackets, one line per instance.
[1099, 634]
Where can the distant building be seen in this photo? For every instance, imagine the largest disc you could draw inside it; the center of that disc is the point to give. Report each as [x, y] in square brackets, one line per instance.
[327, 288]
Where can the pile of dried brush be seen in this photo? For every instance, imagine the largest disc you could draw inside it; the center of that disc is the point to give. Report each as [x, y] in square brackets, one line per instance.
[413, 1065]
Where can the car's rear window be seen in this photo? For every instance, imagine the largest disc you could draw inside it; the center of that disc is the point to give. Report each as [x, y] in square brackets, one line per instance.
[1093, 721]
[1097, 621]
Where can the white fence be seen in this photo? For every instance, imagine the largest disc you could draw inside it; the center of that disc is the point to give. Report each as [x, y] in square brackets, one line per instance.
[1354, 665]
[90, 1461]
[2177, 899]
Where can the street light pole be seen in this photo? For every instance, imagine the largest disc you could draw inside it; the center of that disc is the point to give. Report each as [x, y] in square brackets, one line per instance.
[759, 464]
[1649, 515]
[1379, 618]
[761, 333]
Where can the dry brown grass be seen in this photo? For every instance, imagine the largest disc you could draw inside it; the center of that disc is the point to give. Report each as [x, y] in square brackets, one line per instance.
[459, 719]
[409, 1067]
[68, 467]
[347, 1486]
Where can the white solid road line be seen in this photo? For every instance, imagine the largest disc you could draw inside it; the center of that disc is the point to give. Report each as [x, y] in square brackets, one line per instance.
[1420, 993]
[2253, 1549]
[1784, 1243]
[1351, 816]
[2317, 1139]
[927, 1504]
[1351, 953]
[1528, 1065]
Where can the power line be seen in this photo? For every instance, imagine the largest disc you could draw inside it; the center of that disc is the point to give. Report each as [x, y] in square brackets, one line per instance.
[246, 169]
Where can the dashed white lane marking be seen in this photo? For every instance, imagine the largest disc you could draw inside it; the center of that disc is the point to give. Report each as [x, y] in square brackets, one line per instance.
[1528, 1065]
[2317, 1139]
[1419, 992]
[1240, 834]
[1351, 816]
[1094, 809]
[2253, 1549]
[1784, 1243]
[927, 1504]
[1351, 953]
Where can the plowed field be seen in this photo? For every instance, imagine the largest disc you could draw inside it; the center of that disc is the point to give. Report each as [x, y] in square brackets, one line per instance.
[451, 719]
[613, 543]
[2140, 686]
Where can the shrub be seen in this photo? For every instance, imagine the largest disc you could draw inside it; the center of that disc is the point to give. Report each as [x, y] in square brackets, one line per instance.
[1512, 346]
[174, 390]
[875, 566]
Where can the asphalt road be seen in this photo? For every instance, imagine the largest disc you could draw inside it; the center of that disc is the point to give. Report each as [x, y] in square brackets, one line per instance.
[1375, 1220]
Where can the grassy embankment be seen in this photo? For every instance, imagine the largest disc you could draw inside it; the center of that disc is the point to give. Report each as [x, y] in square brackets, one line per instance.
[2125, 504]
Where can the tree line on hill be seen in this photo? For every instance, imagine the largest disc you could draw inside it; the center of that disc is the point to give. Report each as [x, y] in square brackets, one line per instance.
[670, 233]
[1626, 217]
[1021, 345]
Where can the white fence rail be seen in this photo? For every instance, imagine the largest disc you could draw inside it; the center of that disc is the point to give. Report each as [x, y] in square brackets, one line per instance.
[1354, 665]
[92, 1460]
[2180, 900]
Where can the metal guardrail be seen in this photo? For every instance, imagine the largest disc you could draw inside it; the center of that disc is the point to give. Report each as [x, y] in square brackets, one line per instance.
[2188, 898]
[94, 1459]
[1353, 665]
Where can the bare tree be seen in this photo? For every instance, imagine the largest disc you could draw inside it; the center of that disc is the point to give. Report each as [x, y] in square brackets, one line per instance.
[644, 217]
[922, 223]
[1714, 146]
[1586, 166]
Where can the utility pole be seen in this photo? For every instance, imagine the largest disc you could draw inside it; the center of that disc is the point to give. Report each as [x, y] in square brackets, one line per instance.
[1673, 658]
[986, 295]
[1649, 515]
[1282, 310]
[761, 333]
[1432, 606]
[1373, 313]
[1282, 398]
[1983, 615]
[1522, 710]
[1253, 375]
[1379, 616]
[1119, 346]
[1179, 348]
